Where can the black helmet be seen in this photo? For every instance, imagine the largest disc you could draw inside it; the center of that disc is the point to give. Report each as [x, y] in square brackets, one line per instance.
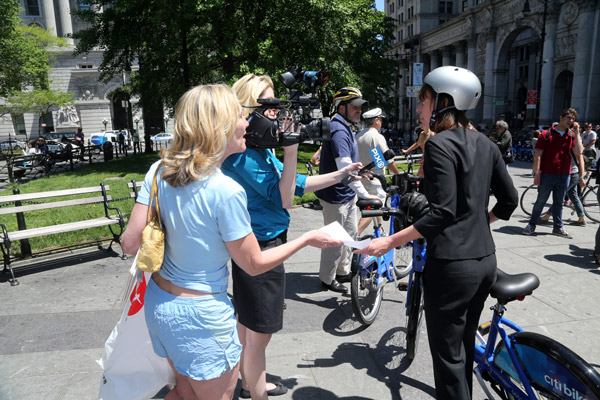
[415, 206]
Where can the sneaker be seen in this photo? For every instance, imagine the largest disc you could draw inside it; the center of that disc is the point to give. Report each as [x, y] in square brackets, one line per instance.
[529, 229]
[561, 232]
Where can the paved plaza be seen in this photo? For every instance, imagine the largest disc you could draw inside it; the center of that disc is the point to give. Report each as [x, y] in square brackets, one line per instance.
[54, 324]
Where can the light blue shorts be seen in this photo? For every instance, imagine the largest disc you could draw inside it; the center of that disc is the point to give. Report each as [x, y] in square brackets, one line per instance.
[198, 334]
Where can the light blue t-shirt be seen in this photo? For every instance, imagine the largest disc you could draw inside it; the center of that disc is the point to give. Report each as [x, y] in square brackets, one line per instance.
[199, 217]
[259, 172]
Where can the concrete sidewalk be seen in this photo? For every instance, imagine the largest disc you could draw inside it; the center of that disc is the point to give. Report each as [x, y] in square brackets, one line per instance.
[54, 324]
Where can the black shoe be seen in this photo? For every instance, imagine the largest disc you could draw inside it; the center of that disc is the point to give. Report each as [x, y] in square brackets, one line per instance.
[278, 390]
[343, 278]
[335, 286]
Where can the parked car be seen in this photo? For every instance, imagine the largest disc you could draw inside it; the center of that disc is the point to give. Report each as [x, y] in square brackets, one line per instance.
[53, 145]
[100, 138]
[7, 145]
[162, 137]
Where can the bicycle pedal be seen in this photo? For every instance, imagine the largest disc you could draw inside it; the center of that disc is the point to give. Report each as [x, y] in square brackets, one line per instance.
[403, 286]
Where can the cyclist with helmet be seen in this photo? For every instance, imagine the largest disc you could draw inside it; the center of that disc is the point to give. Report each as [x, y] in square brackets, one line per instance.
[339, 200]
[460, 168]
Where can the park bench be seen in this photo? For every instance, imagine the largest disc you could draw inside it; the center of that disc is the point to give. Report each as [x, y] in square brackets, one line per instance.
[134, 188]
[55, 199]
[20, 165]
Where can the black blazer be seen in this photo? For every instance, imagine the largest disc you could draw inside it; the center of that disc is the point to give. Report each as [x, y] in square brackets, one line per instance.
[460, 167]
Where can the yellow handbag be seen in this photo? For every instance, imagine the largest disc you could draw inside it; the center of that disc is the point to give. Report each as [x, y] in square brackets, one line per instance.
[152, 250]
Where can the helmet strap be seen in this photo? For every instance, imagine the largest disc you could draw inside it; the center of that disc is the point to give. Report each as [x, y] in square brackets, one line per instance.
[436, 113]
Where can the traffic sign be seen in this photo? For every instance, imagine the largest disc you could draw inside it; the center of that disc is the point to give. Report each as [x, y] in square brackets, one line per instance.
[531, 98]
[499, 103]
[412, 91]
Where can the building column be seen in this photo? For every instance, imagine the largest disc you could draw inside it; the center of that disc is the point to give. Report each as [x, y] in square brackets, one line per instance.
[447, 56]
[65, 19]
[489, 90]
[582, 73]
[461, 47]
[471, 62]
[435, 59]
[547, 60]
[49, 16]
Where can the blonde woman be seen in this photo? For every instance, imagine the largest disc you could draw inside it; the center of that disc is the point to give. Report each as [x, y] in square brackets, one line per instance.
[190, 319]
[424, 135]
[270, 186]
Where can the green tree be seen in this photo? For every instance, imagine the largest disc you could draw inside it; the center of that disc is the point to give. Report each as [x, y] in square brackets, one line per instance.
[190, 42]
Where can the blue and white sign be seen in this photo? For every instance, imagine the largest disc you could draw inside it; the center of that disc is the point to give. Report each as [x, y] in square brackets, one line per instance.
[377, 157]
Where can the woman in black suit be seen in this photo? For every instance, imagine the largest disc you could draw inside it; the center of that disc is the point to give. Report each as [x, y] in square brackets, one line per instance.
[460, 168]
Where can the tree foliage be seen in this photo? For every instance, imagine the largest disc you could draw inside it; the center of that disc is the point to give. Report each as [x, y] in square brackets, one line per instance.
[38, 101]
[24, 59]
[183, 43]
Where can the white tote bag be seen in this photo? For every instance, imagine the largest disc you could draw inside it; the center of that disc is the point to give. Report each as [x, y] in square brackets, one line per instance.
[132, 371]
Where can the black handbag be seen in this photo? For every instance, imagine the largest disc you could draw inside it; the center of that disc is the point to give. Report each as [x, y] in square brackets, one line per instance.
[509, 156]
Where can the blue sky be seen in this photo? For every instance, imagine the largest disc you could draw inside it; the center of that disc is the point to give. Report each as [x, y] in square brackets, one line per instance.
[379, 5]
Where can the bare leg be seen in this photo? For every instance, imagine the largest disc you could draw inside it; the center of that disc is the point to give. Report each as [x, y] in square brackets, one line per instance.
[253, 364]
[220, 388]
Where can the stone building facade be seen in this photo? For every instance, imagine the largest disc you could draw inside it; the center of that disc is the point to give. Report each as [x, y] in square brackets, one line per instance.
[95, 102]
[501, 43]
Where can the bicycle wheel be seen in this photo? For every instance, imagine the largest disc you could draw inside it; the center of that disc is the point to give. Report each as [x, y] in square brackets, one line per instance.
[590, 204]
[554, 371]
[528, 198]
[414, 314]
[365, 294]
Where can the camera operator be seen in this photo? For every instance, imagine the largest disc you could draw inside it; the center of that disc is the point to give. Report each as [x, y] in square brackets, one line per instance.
[270, 187]
[339, 200]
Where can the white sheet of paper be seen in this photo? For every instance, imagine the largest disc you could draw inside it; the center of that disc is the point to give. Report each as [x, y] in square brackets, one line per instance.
[336, 231]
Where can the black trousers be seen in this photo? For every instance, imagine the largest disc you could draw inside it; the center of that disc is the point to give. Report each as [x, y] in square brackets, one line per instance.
[454, 293]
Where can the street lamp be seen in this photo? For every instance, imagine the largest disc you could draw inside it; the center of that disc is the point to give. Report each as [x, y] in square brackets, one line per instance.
[526, 9]
[104, 121]
[166, 123]
[136, 119]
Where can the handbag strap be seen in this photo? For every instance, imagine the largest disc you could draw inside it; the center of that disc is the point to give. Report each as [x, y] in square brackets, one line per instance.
[154, 196]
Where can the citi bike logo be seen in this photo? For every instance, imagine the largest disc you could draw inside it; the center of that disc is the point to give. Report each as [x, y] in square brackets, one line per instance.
[377, 157]
[571, 393]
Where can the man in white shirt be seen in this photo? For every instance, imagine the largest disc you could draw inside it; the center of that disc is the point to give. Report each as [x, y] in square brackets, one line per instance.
[366, 140]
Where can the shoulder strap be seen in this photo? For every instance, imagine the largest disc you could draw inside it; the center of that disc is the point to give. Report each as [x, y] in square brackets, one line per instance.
[154, 197]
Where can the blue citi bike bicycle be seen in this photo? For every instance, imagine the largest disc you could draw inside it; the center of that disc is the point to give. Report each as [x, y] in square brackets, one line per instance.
[526, 365]
[370, 274]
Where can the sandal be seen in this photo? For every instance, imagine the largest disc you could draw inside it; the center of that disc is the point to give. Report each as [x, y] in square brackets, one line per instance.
[278, 390]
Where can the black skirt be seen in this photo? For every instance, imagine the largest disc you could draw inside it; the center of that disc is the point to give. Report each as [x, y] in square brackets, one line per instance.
[259, 299]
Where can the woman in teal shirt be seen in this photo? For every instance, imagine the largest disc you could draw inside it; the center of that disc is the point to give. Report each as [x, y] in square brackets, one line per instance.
[270, 186]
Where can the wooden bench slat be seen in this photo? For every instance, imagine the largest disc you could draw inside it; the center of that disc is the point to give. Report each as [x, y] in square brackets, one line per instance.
[62, 228]
[54, 193]
[56, 204]
[137, 184]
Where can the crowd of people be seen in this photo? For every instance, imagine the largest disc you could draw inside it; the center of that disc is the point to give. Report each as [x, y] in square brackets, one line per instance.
[222, 200]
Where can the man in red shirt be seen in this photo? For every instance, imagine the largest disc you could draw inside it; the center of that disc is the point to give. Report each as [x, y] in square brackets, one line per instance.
[552, 168]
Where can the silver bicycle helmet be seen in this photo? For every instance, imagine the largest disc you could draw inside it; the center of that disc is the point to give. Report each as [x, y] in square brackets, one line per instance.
[460, 83]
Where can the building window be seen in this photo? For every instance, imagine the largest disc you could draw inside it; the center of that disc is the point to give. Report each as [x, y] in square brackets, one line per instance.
[401, 17]
[83, 4]
[410, 13]
[86, 66]
[19, 124]
[445, 7]
[48, 122]
[465, 4]
[32, 7]
[392, 8]
[400, 35]
[400, 3]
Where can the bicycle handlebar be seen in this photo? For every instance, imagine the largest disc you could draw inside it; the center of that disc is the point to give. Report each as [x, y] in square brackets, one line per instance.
[386, 213]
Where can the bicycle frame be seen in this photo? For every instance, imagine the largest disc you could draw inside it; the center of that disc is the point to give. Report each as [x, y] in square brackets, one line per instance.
[485, 357]
[419, 258]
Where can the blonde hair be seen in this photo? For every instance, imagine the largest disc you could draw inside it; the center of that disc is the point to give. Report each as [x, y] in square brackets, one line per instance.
[249, 88]
[205, 120]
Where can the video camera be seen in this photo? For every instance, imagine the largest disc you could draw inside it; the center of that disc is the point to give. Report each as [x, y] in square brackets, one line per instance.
[264, 132]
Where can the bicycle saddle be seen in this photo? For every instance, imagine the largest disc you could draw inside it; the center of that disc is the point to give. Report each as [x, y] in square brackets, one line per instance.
[373, 204]
[511, 287]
